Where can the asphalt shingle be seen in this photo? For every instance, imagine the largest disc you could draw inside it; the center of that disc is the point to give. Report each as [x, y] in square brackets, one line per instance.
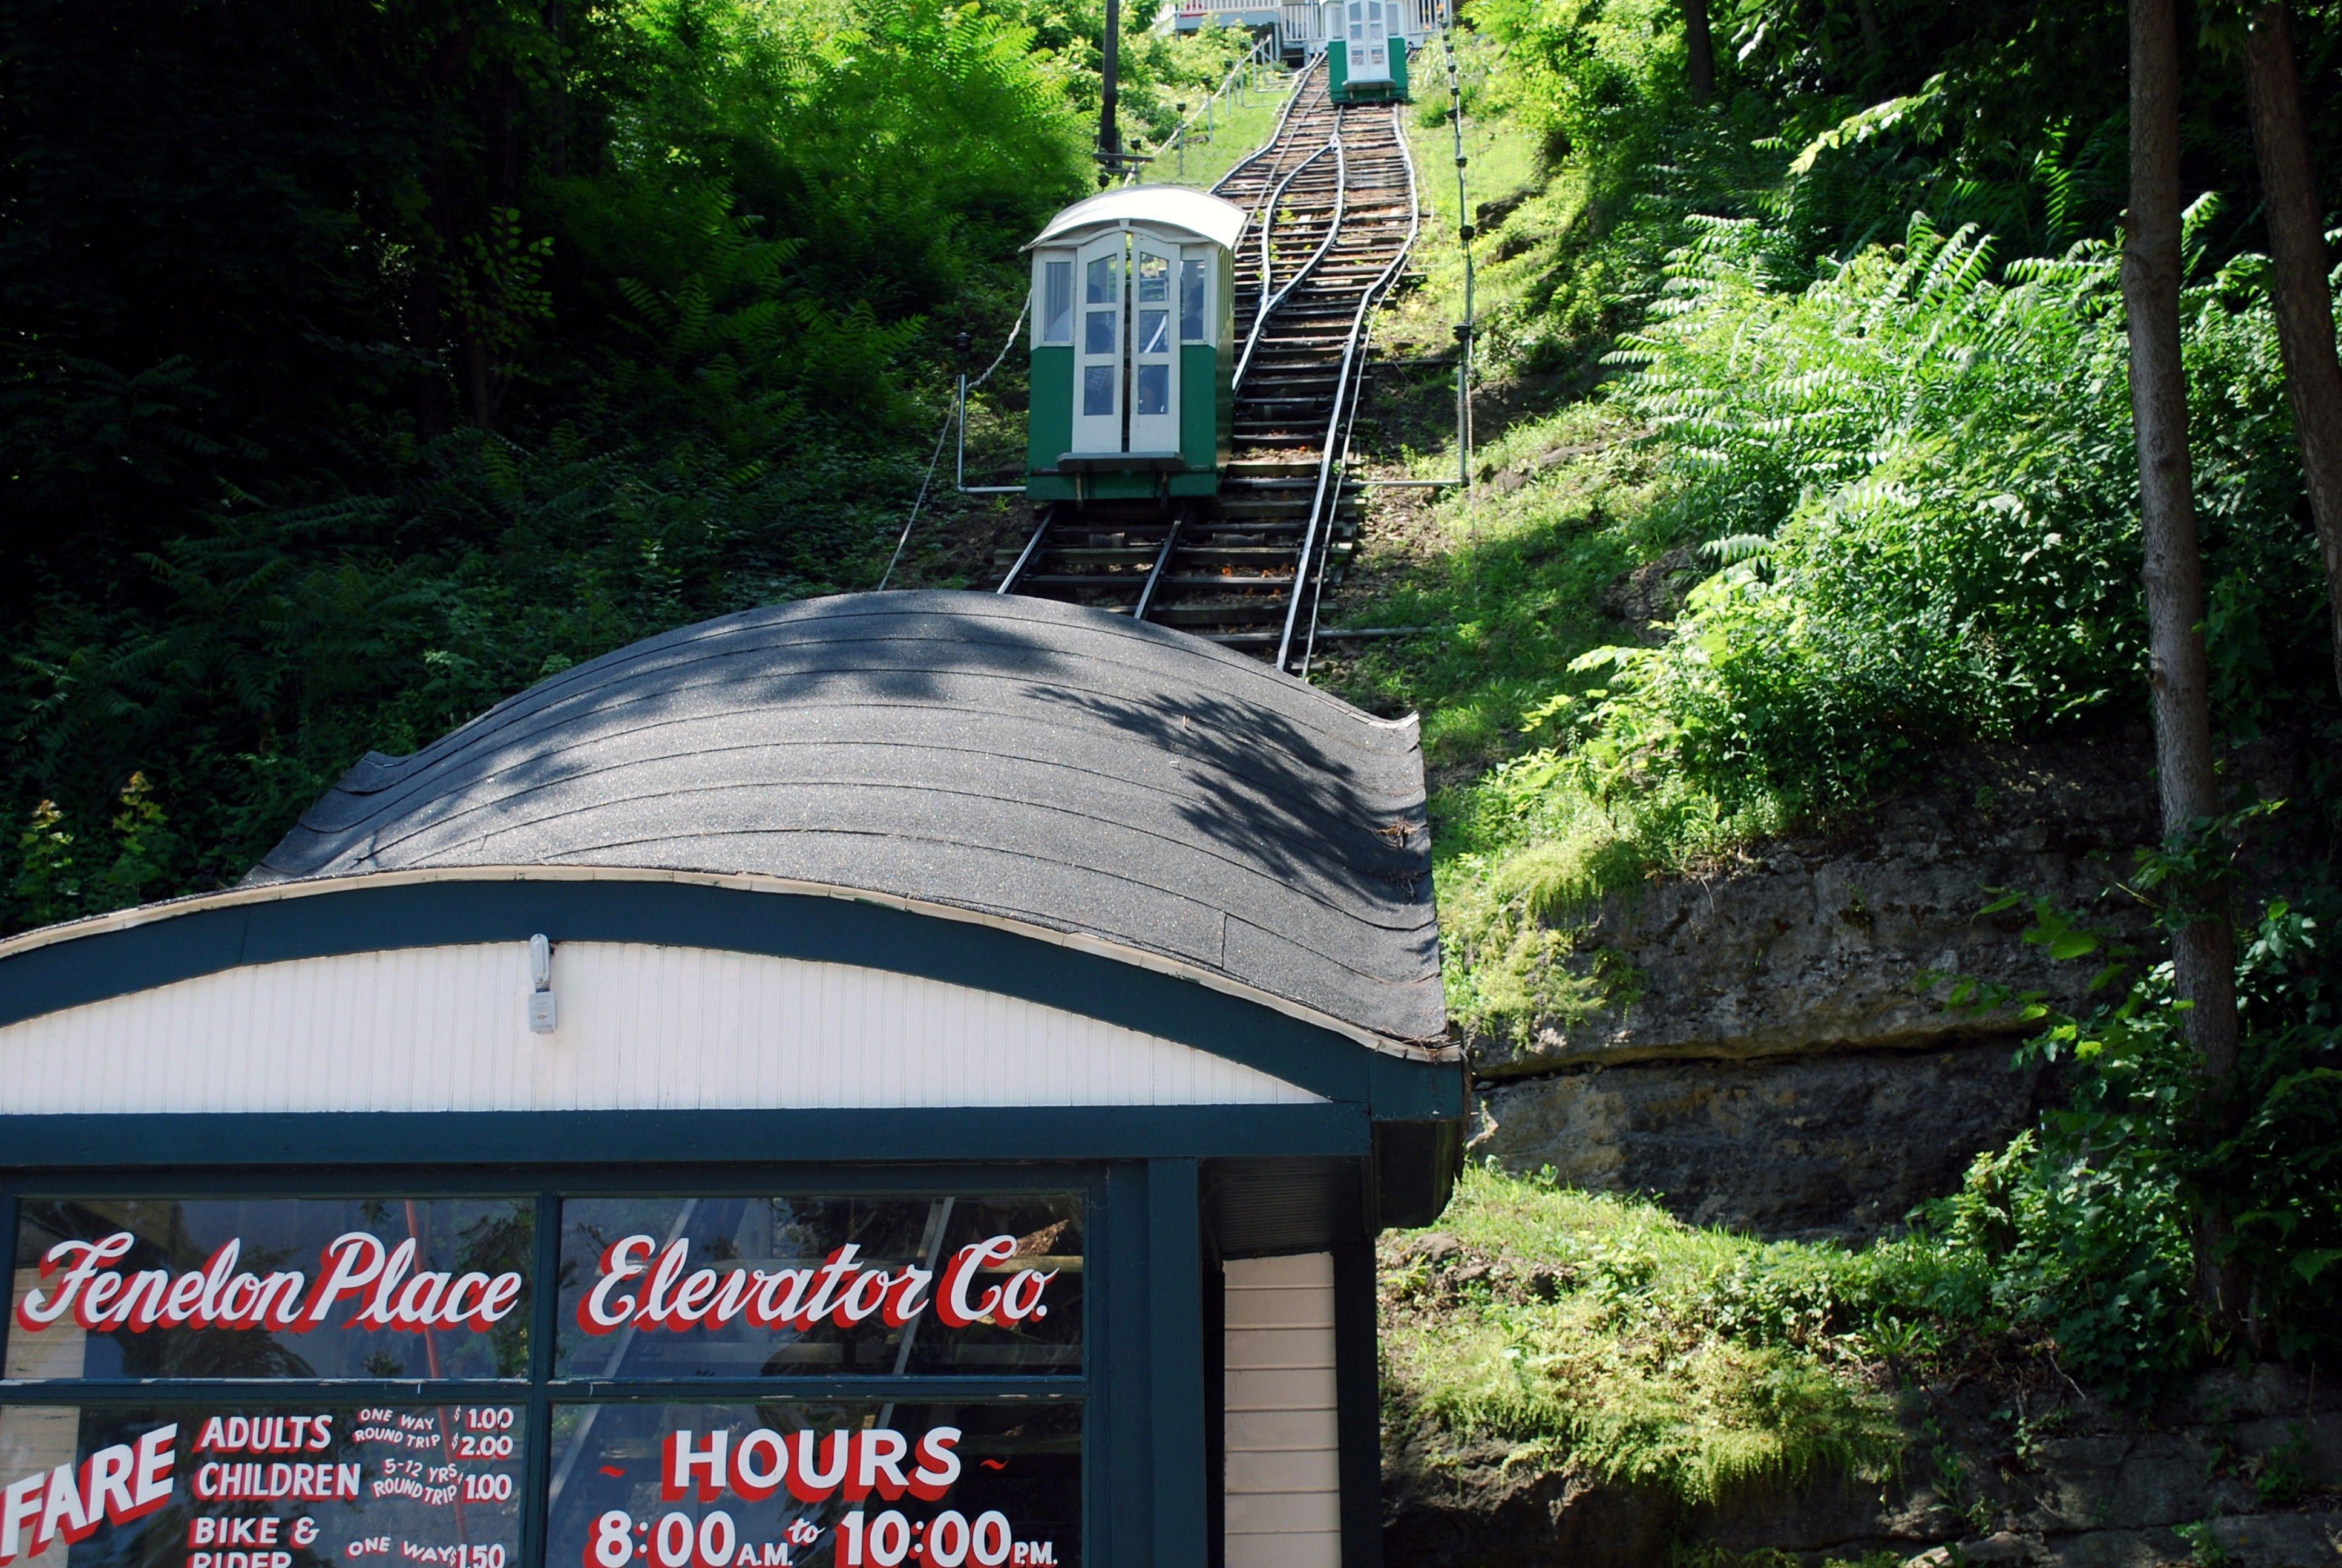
[1028, 759]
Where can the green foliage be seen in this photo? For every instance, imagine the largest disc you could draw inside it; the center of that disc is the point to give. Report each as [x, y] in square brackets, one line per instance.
[1930, 476]
[2081, 1229]
[1600, 1342]
[368, 362]
[1916, 482]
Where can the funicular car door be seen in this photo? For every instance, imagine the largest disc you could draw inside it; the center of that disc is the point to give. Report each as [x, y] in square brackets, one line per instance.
[1098, 345]
[1154, 346]
[1369, 40]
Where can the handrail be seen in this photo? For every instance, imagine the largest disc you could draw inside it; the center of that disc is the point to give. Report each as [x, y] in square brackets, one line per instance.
[1342, 388]
[1259, 54]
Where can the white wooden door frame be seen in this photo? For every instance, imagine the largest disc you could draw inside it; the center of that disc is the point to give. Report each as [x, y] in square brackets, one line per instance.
[1154, 338]
[1102, 295]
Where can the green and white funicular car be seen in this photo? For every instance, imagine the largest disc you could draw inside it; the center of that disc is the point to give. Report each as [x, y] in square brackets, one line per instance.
[1134, 348]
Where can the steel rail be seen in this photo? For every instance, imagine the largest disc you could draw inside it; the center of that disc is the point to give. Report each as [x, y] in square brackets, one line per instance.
[1276, 143]
[1343, 388]
[1269, 302]
[1025, 559]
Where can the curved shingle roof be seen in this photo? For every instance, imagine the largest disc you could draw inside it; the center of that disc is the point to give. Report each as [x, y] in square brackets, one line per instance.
[1042, 762]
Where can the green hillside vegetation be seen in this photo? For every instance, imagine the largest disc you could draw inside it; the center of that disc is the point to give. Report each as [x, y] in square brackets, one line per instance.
[1807, 458]
[367, 362]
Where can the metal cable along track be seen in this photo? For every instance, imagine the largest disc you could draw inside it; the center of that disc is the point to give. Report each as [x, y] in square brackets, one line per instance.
[1332, 211]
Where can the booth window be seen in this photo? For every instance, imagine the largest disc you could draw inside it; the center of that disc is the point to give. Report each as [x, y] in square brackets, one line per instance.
[1191, 301]
[1057, 302]
[702, 1381]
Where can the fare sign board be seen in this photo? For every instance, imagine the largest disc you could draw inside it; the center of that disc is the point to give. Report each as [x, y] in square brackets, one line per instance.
[230, 1486]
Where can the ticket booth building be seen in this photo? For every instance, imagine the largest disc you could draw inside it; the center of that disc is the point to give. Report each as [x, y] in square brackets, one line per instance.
[900, 1079]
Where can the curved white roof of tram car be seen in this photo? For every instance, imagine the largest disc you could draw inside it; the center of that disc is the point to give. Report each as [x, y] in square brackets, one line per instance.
[1173, 207]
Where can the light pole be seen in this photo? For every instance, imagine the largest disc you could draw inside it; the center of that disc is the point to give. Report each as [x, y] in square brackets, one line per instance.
[1110, 153]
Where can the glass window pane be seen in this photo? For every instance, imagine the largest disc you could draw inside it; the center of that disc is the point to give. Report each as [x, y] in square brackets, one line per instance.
[793, 1286]
[229, 1485]
[1097, 331]
[1101, 282]
[1154, 332]
[1191, 302]
[1154, 279]
[807, 1483]
[1154, 389]
[1097, 389]
[1058, 302]
[271, 1287]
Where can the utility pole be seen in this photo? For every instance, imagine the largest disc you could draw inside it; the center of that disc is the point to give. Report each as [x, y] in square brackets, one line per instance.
[1110, 153]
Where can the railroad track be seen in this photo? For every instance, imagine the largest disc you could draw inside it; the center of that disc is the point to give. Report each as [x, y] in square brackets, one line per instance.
[1332, 205]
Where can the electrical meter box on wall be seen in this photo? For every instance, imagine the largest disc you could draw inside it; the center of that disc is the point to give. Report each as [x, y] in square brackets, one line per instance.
[1132, 343]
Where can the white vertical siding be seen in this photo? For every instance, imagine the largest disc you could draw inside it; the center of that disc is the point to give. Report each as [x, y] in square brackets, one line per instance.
[1284, 1465]
[641, 1027]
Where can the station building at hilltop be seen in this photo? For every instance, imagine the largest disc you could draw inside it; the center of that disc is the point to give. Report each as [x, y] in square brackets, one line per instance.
[906, 1078]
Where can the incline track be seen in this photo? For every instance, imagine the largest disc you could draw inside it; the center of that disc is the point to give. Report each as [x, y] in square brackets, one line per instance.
[1331, 200]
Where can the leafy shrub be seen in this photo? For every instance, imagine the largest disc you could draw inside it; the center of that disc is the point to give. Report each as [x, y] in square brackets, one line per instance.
[1924, 477]
[2081, 1230]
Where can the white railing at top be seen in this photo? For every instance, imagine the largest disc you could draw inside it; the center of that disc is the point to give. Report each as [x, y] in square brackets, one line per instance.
[1303, 23]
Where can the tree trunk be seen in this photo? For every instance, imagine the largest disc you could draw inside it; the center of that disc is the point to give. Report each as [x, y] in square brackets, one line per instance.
[2298, 285]
[2203, 942]
[1701, 49]
[1874, 49]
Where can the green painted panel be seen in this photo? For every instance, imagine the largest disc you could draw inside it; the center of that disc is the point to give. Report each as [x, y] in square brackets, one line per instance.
[1337, 74]
[1199, 374]
[1049, 426]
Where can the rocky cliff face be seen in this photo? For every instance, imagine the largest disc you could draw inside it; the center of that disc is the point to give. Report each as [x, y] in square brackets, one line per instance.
[2238, 1470]
[1779, 1068]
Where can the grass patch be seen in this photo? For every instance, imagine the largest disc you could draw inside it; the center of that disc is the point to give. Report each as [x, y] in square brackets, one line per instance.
[1600, 1334]
[1568, 546]
[1238, 126]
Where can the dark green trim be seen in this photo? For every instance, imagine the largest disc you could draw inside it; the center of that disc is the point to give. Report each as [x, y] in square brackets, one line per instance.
[1175, 1248]
[1357, 1383]
[1121, 1532]
[1415, 1166]
[763, 1177]
[544, 1318]
[362, 919]
[1199, 400]
[1216, 1410]
[1041, 487]
[477, 1138]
